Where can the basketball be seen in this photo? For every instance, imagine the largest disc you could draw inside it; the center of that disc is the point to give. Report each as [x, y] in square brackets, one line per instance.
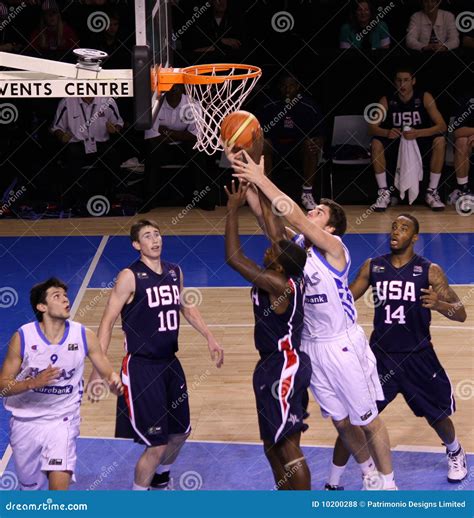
[242, 130]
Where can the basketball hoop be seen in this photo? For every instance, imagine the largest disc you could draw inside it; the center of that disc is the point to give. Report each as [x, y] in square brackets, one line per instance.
[214, 91]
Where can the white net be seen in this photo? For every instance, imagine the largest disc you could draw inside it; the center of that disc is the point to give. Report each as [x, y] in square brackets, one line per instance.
[211, 102]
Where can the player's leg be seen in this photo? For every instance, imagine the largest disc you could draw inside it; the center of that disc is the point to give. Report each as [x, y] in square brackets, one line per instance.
[462, 151]
[296, 472]
[146, 466]
[279, 474]
[379, 163]
[438, 151]
[311, 151]
[59, 480]
[161, 478]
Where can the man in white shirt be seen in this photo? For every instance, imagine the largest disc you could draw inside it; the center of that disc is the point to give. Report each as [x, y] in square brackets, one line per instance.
[171, 140]
[432, 29]
[84, 126]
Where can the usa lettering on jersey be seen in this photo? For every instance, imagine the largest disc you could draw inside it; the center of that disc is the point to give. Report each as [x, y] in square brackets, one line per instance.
[162, 295]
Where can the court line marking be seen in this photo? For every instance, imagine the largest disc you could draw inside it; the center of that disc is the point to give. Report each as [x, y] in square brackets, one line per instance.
[400, 447]
[77, 302]
[88, 276]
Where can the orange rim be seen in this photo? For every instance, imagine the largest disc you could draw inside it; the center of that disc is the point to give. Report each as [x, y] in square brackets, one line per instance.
[163, 79]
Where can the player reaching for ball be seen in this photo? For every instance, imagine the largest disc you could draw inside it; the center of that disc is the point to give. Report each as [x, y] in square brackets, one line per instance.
[283, 373]
[41, 380]
[406, 288]
[344, 382]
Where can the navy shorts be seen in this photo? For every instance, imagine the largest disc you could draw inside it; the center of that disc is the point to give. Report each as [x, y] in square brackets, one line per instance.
[422, 381]
[280, 384]
[155, 401]
[391, 147]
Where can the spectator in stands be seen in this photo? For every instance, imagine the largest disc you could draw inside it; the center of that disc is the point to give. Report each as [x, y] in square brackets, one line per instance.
[463, 127]
[53, 38]
[363, 30]
[432, 29]
[171, 139]
[413, 114]
[294, 132]
[217, 35]
[85, 126]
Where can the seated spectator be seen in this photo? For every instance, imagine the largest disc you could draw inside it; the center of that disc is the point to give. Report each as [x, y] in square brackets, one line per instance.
[463, 146]
[432, 29]
[53, 38]
[363, 31]
[294, 131]
[217, 35]
[85, 126]
[413, 114]
[171, 139]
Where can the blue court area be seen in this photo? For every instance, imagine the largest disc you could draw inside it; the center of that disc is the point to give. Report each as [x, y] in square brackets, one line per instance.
[202, 257]
[105, 464]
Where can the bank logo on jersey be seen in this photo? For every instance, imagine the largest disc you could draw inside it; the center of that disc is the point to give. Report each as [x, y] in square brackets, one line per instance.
[321, 298]
[73, 347]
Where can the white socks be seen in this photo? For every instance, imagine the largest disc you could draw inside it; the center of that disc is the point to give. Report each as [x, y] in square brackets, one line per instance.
[454, 446]
[388, 481]
[136, 487]
[434, 180]
[368, 466]
[335, 474]
[163, 468]
[381, 180]
[462, 181]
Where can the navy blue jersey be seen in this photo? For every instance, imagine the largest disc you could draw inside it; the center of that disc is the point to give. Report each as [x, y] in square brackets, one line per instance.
[464, 117]
[274, 332]
[401, 324]
[151, 321]
[412, 113]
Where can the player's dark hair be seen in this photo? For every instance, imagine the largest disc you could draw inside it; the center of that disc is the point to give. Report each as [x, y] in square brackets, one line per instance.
[412, 219]
[404, 68]
[38, 294]
[292, 258]
[138, 225]
[337, 216]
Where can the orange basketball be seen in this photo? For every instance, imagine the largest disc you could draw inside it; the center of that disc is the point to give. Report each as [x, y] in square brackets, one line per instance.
[241, 130]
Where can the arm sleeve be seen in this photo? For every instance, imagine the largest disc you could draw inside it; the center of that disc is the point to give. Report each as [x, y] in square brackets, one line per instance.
[114, 115]
[60, 118]
[452, 34]
[413, 33]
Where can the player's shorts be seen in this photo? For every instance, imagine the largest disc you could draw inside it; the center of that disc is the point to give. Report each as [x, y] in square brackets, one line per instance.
[345, 381]
[155, 401]
[39, 447]
[280, 384]
[391, 146]
[422, 381]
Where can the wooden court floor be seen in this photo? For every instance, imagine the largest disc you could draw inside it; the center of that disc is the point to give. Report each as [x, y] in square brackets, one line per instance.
[222, 401]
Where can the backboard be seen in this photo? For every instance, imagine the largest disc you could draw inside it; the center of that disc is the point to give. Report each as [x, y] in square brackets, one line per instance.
[152, 50]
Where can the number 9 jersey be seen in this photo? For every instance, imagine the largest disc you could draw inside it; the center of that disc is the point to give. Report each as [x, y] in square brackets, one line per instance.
[151, 320]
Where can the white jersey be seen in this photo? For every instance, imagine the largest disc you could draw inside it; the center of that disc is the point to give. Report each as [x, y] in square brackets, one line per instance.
[62, 397]
[329, 308]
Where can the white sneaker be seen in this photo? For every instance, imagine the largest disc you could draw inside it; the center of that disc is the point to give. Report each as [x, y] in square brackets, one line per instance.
[454, 196]
[307, 200]
[372, 481]
[457, 465]
[383, 200]
[433, 200]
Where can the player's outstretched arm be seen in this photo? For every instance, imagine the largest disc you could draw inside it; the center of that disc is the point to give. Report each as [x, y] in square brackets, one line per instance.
[102, 364]
[192, 314]
[254, 173]
[441, 297]
[9, 385]
[360, 284]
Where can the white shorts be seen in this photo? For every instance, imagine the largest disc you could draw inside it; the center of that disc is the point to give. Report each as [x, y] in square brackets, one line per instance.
[345, 381]
[39, 447]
